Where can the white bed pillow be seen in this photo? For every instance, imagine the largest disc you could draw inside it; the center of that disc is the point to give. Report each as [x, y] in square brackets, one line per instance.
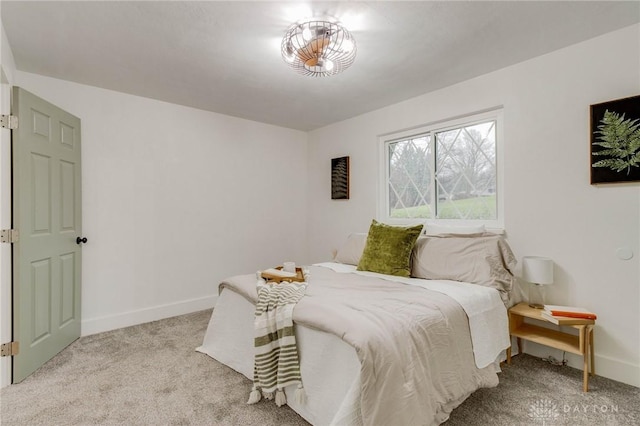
[483, 259]
[453, 230]
[351, 251]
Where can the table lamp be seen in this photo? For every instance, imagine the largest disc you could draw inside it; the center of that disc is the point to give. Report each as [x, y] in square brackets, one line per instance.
[539, 272]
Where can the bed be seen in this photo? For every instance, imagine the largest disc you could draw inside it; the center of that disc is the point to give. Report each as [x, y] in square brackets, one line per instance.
[382, 349]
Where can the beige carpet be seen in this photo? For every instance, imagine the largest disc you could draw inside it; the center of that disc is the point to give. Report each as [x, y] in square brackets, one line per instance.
[151, 375]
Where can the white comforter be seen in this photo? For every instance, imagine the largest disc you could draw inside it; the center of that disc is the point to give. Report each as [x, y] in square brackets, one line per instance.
[483, 306]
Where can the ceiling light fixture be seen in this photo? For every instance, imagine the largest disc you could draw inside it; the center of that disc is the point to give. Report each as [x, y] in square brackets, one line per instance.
[318, 48]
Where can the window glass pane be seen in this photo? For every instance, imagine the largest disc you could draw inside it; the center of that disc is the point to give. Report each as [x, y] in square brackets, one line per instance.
[410, 178]
[466, 172]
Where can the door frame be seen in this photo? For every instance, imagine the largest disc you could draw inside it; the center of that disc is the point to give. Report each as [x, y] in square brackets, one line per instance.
[6, 259]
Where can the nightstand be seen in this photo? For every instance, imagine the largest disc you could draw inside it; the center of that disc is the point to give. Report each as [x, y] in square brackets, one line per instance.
[582, 344]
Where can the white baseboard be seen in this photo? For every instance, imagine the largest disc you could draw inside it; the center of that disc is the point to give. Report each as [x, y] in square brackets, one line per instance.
[605, 366]
[5, 371]
[618, 370]
[126, 319]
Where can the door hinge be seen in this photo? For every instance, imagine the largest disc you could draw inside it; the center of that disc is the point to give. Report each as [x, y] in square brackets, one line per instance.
[10, 349]
[9, 121]
[9, 236]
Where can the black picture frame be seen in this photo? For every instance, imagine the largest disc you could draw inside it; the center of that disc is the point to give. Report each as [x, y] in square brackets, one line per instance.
[609, 167]
[340, 178]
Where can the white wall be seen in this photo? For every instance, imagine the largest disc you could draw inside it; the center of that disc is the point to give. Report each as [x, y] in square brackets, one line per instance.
[174, 200]
[6, 55]
[550, 207]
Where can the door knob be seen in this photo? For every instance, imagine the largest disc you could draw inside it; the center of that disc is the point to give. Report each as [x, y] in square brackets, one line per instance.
[81, 240]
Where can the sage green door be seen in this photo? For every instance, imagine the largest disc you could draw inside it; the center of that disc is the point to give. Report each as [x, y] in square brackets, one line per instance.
[47, 215]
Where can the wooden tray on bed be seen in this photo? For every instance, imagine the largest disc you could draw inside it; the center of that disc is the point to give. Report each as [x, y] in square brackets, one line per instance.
[274, 278]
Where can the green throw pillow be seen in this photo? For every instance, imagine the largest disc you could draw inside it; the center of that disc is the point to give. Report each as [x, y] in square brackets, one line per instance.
[388, 249]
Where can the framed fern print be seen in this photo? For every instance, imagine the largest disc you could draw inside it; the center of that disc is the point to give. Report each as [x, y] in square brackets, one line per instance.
[340, 178]
[615, 141]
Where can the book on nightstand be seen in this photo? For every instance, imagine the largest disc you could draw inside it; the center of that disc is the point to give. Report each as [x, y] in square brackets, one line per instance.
[569, 311]
[560, 320]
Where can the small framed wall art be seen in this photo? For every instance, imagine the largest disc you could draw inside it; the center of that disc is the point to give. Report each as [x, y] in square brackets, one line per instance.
[615, 141]
[340, 178]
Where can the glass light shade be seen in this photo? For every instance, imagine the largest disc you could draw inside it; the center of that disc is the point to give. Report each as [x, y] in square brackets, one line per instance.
[536, 296]
[318, 48]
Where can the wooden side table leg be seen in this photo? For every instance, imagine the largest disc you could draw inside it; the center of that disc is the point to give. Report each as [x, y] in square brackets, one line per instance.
[509, 355]
[585, 356]
[519, 340]
[593, 365]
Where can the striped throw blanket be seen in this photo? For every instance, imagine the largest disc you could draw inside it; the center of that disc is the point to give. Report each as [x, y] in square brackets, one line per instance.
[276, 363]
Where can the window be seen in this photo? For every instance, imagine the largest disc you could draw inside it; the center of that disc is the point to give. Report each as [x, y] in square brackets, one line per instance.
[448, 172]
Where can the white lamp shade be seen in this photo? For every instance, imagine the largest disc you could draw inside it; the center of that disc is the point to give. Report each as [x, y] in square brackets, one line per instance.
[538, 270]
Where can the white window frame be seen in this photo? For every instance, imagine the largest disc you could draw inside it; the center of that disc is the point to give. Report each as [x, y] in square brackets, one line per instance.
[383, 183]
